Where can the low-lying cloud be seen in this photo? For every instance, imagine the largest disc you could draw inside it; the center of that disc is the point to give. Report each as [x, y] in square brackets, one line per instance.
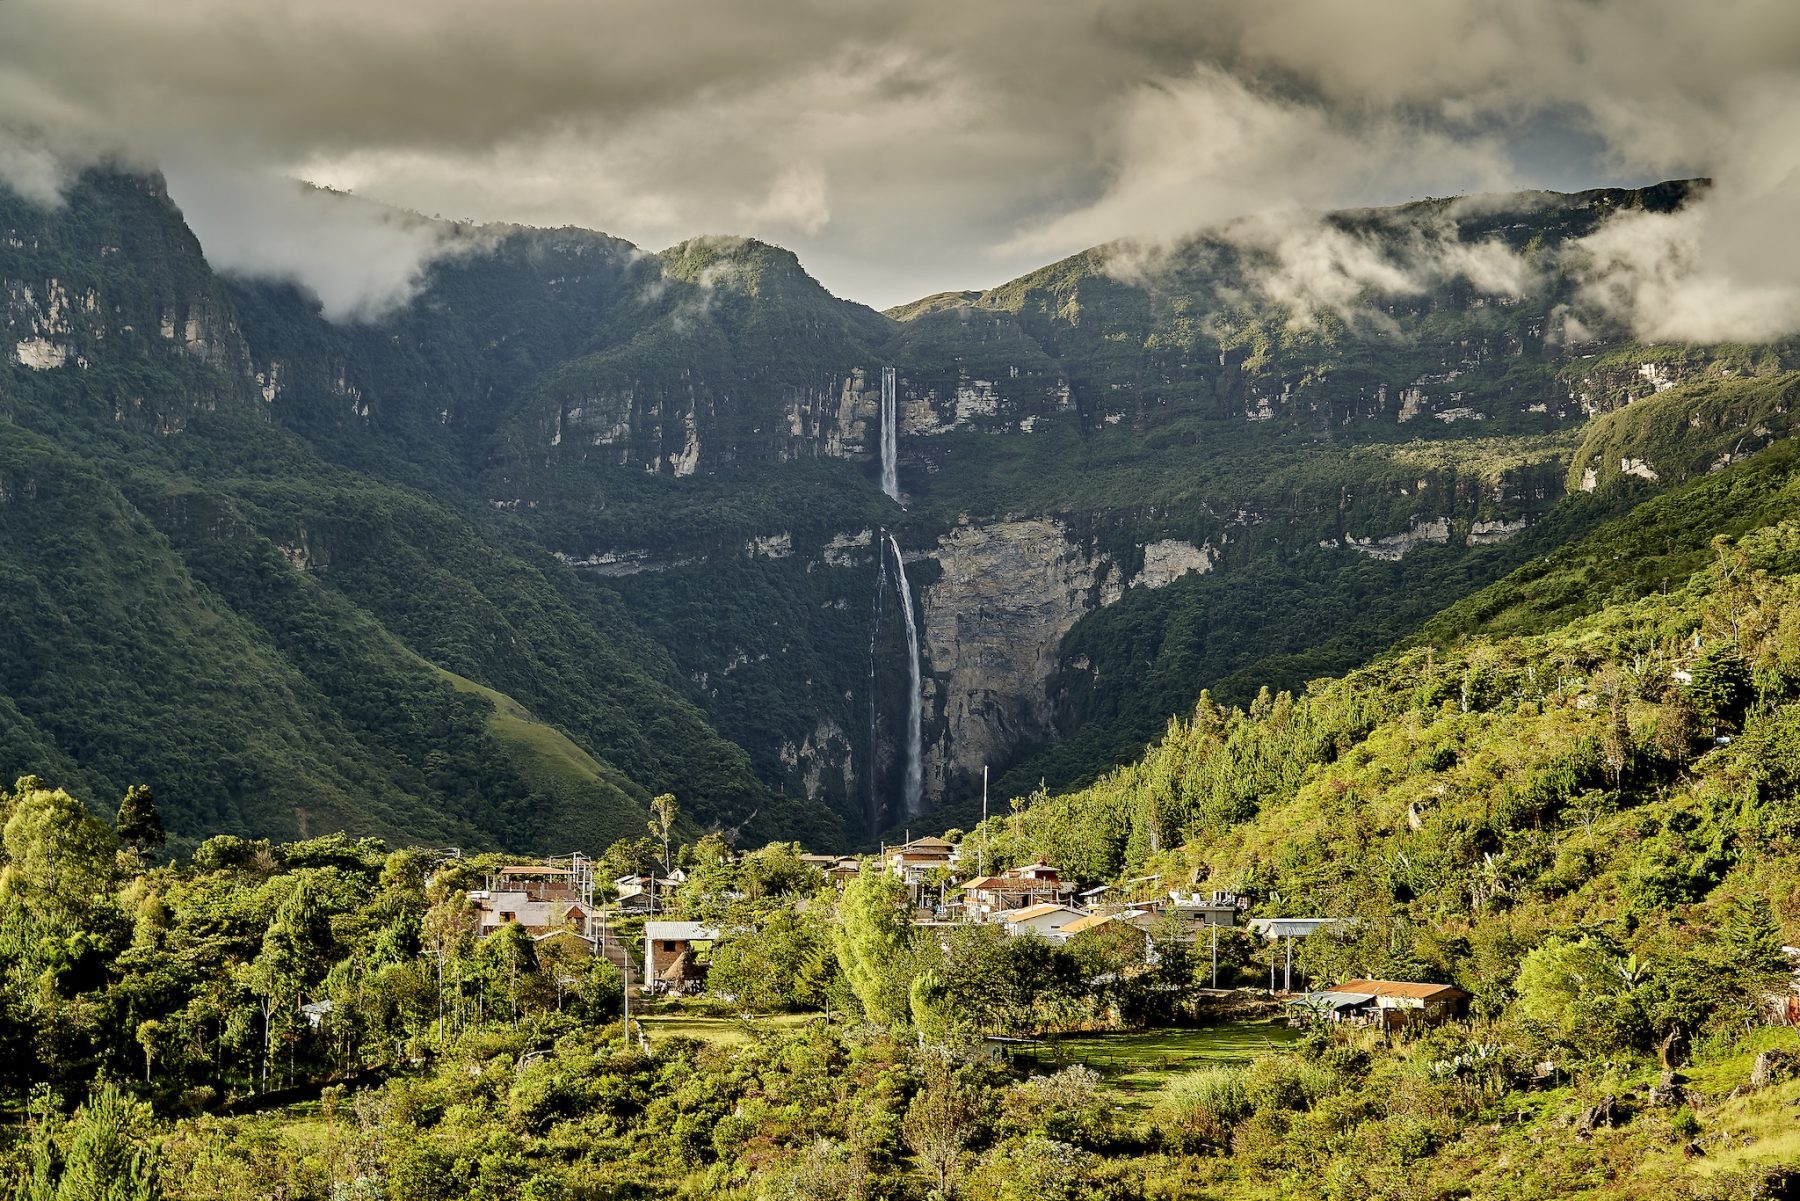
[359, 258]
[1312, 266]
[910, 148]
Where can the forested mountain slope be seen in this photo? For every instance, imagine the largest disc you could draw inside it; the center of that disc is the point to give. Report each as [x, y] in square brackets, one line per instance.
[1600, 741]
[199, 601]
[637, 494]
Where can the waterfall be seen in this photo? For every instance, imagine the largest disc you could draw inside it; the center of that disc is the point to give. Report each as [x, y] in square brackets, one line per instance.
[873, 810]
[890, 436]
[915, 767]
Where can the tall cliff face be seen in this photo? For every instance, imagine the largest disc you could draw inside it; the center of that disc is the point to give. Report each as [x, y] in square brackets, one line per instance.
[107, 310]
[1007, 595]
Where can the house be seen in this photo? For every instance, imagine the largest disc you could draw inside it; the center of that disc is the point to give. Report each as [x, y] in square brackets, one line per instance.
[1386, 1003]
[539, 897]
[991, 898]
[838, 869]
[674, 955]
[315, 1012]
[1048, 919]
[1273, 928]
[914, 860]
[1091, 921]
[1193, 913]
[634, 895]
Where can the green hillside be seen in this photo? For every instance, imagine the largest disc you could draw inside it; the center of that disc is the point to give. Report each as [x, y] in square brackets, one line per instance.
[205, 605]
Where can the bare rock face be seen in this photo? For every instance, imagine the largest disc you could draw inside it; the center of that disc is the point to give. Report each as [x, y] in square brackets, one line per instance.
[1773, 1067]
[1391, 547]
[1009, 593]
[1609, 1111]
[1168, 559]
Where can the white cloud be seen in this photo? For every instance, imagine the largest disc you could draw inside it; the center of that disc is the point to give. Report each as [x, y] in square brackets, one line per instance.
[908, 148]
[360, 259]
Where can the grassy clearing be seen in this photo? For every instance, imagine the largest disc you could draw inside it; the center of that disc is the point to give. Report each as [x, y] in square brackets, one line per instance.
[1139, 1063]
[586, 795]
[719, 1031]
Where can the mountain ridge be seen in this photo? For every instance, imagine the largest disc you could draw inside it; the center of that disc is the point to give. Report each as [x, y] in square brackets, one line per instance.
[635, 491]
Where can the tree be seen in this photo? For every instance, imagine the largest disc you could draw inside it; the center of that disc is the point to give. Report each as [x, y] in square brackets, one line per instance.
[105, 1153]
[511, 962]
[778, 871]
[663, 812]
[768, 969]
[1616, 741]
[139, 823]
[938, 1122]
[1675, 729]
[1751, 937]
[61, 858]
[870, 940]
[1580, 991]
[296, 951]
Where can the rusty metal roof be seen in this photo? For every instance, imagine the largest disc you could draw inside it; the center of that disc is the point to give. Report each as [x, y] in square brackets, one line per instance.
[1399, 988]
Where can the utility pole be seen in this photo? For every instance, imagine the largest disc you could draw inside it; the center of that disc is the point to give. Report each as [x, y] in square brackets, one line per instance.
[1215, 954]
[625, 955]
[1287, 975]
[981, 851]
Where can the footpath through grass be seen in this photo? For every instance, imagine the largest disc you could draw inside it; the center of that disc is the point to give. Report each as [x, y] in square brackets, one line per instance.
[1139, 1063]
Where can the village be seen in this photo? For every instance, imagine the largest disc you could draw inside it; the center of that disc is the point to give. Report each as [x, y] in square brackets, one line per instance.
[635, 922]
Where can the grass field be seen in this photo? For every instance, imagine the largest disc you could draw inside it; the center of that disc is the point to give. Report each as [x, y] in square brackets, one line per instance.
[1140, 1063]
[720, 1031]
[588, 798]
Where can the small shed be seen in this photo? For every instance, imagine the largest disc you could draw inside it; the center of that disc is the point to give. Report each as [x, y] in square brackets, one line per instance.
[672, 953]
[1389, 1003]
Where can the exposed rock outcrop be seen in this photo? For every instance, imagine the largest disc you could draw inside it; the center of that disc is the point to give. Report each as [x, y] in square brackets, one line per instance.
[1168, 559]
[1435, 532]
[1009, 593]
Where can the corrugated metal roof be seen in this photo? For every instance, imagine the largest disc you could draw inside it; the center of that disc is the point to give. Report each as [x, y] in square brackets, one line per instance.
[1088, 923]
[1398, 988]
[680, 931]
[1035, 911]
[1291, 927]
[1335, 998]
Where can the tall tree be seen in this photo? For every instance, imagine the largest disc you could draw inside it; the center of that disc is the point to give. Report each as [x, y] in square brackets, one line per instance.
[870, 940]
[663, 812]
[139, 823]
[105, 1153]
[939, 1122]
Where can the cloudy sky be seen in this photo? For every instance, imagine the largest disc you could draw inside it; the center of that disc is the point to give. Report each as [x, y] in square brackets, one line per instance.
[911, 146]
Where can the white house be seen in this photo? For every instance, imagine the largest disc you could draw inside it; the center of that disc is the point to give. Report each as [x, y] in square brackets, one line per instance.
[1047, 919]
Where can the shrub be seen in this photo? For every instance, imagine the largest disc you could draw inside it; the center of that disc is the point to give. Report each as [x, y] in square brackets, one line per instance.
[1683, 1124]
[1198, 1109]
[1274, 1083]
